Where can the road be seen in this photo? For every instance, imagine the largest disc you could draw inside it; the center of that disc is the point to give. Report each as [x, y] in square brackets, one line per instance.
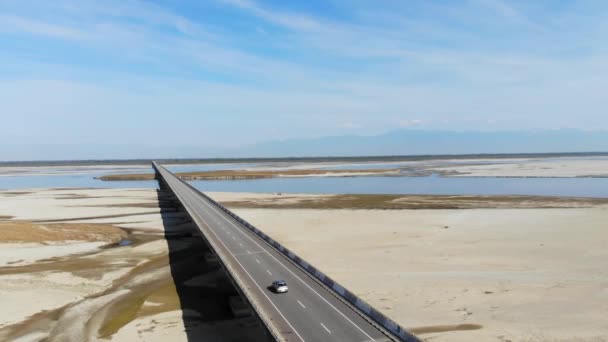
[308, 312]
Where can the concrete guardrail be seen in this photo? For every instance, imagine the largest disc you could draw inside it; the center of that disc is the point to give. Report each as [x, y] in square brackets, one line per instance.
[376, 316]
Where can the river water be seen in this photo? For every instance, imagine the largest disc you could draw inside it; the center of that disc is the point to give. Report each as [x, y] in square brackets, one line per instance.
[79, 178]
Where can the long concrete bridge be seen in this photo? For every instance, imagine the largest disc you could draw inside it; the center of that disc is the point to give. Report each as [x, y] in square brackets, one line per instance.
[315, 309]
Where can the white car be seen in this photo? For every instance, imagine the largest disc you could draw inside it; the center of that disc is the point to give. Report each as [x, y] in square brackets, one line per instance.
[279, 286]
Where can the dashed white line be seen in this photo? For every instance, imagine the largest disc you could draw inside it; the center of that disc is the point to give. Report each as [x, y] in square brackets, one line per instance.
[229, 220]
[240, 244]
[324, 327]
[247, 253]
[233, 238]
[267, 271]
[258, 261]
[239, 229]
[251, 277]
[302, 305]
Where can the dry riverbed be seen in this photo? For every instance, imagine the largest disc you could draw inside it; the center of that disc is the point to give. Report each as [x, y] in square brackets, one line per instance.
[80, 265]
[84, 264]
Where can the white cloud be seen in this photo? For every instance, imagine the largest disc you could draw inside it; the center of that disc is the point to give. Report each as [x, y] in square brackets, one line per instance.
[410, 122]
[349, 125]
[9, 23]
[285, 19]
[321, 76]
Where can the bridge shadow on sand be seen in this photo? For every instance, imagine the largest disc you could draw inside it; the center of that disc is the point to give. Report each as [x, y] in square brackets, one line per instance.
[201, 285]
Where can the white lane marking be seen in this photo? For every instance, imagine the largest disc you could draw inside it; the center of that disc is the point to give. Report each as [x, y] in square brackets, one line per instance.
[250, 277]
[302, 305]
[226, 217]
[324, 327]
[247, 251]
[233, 238]
[258, 261]
[240, 244]
[288, 269]
[267, 271]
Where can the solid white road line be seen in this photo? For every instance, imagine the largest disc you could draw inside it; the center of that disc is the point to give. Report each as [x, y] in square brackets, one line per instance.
[227, 218]
[324, 327]
[302, 305]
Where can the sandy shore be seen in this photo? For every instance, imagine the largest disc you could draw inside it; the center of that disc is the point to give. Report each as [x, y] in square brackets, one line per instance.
[527, 269]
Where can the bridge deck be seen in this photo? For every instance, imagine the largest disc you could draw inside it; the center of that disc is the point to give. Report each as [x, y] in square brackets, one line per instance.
[308, 312]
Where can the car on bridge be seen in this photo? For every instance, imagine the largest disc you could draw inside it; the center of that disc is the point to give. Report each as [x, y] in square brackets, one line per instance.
[279, 286]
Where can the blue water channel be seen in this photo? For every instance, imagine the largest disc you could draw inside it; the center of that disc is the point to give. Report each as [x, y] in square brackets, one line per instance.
[579, 187]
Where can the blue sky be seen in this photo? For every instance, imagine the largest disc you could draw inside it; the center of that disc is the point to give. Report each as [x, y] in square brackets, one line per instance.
[233, 72]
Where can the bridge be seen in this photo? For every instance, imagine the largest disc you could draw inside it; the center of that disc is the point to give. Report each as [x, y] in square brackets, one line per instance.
[316, 308]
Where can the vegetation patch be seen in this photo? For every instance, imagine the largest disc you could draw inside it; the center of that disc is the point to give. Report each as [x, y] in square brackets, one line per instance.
[245, 174]
[367, 201]
[122, 313]
[24, 231]
[16, 193]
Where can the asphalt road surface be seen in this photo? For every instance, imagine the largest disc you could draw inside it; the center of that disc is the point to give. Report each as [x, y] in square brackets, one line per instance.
[308, 312]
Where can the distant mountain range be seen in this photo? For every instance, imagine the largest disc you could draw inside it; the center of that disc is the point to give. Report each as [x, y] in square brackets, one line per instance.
[425, 142]
[395, 143]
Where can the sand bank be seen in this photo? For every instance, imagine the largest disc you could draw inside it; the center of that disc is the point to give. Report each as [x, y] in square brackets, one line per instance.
[508, 274]
[549, 167]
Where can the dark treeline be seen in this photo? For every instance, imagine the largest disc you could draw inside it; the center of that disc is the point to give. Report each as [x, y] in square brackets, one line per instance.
[294, 159]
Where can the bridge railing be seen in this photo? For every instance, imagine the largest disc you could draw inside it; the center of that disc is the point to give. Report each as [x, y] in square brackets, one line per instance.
[372, 313]
[232, 274]
[376, 316]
